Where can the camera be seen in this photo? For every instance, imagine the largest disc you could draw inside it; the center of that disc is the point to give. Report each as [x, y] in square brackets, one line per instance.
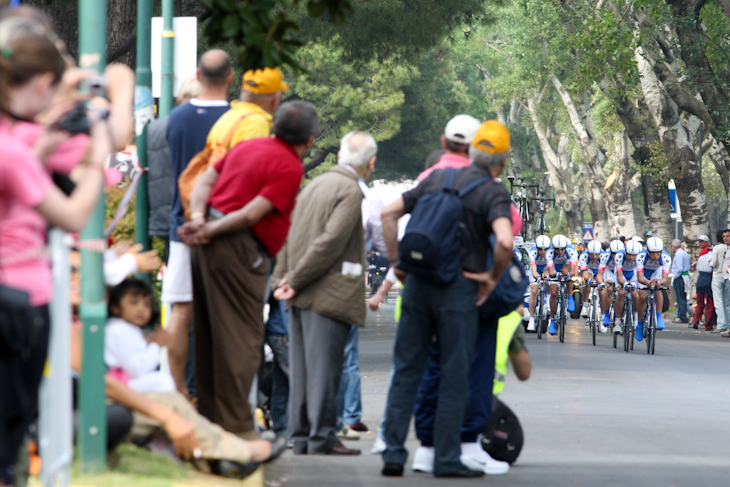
[76, 121]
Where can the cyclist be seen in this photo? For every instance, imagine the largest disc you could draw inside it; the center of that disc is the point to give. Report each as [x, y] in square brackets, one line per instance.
[626, 272]
[563, 259]
[607, 276]
[589, 262]
[538, 264]
[652, 268]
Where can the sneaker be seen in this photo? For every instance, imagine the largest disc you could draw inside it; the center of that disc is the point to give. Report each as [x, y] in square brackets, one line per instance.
[347, 434]
[475, 458]
[602, 329]
[531, 325]
[551, 328]
[571, 304]
[659, 321]
[617, 329]
[584, 310]
[606, 320]
[639, 331]
[423, 459]
[378, 445]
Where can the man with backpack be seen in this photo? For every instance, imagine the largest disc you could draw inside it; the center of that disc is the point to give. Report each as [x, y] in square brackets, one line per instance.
[444, 251]
[187, 130]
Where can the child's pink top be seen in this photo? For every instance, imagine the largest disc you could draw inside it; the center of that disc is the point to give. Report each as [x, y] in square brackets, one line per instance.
[24, 184]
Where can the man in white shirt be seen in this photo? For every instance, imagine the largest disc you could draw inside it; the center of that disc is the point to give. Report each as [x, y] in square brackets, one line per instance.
[718, 279]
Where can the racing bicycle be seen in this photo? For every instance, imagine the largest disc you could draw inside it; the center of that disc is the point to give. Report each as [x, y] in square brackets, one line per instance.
[627, 323]
[543, 308]
[649, 331]
[594, 313]
[561, 310]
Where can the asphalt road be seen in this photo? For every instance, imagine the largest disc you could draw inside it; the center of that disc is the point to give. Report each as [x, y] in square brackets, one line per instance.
[592, 416]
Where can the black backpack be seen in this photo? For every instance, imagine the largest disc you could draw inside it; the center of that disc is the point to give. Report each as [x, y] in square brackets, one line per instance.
[431, 245]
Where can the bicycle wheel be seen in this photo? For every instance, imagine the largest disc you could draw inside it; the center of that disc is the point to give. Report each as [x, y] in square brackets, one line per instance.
[633, 328]
[652, 335]
[540, 311]
[594, 326]
[626, 324]
[648, 324]
[563, 319]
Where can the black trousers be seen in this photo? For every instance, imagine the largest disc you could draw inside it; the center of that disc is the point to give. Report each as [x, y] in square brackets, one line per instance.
[20, 377]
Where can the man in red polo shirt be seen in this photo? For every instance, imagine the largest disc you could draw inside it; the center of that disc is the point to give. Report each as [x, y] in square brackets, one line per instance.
[240, 211]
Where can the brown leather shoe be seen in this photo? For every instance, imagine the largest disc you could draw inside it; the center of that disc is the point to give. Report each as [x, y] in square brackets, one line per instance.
[358, 427]
[340, 449]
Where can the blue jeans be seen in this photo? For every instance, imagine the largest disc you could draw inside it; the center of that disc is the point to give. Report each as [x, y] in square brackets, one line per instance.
[280, 384]
[349, 403]
[481, 384]
[449, 313]
[681, 298]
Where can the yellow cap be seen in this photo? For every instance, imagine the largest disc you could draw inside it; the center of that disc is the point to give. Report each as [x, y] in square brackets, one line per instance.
[264, 81]
[492, 137]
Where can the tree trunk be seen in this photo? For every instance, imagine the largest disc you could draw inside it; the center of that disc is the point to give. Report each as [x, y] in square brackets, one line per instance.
[594, 158]
[677, 142]
[618, 195]
[121, 24]
[560, 175]
[643, 133]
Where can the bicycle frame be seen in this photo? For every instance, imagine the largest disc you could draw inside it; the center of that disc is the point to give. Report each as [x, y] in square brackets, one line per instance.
[561, 314]
[594, 315]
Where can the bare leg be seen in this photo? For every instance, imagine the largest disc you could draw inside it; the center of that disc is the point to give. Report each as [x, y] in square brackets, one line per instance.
[553, 299]
[177, 352]
[533, 298]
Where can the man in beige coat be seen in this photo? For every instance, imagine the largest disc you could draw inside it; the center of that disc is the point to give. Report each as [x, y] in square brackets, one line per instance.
[320, 274]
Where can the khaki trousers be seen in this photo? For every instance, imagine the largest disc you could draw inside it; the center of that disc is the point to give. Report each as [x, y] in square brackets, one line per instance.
[229, 283]
[215, 442]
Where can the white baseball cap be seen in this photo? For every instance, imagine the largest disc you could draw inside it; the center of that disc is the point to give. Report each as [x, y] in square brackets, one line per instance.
[703, 237]
[462, 129]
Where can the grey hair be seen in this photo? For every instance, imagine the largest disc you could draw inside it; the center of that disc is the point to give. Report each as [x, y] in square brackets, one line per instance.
[676, 243]
[486, 159]
[357, 152]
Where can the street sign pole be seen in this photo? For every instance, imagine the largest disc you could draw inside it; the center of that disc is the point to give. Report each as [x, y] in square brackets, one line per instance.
[142, 93]
[168, 58]
[92, 420]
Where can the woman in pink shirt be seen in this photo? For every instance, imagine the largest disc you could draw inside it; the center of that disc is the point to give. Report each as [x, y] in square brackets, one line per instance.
[31, 68]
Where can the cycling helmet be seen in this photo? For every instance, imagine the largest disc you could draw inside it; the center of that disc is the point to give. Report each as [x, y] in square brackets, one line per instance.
[633, 247]
[543, 242]
[594, 247]
[616, 246]
[654, 244]
[560, 242]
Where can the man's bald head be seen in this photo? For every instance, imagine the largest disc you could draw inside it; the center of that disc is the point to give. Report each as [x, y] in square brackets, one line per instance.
[214, 68]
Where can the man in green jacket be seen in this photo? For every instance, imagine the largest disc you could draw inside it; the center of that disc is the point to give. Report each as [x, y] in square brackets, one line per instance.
[320, 274]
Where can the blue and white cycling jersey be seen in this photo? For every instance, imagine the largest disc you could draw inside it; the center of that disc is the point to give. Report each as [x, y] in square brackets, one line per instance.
[650, 268]
[518, 255]
[570, 257]
[628, 268]
[608, 261]
[585, 262]
[540, 262]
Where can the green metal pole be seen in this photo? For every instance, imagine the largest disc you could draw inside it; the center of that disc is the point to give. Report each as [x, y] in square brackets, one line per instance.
[168, 55]
[143, 92]
[92, 421]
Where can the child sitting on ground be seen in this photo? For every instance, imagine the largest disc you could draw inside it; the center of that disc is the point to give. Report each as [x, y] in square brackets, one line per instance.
[135, 361]
[131, 357]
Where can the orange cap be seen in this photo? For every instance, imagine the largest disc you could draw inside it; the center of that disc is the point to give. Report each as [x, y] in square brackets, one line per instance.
[264, 81]
[492, 137]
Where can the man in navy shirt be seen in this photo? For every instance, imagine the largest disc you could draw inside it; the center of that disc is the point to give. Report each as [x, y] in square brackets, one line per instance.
[187, 131]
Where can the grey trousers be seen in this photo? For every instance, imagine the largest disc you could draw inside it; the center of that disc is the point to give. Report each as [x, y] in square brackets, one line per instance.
[316, 353]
